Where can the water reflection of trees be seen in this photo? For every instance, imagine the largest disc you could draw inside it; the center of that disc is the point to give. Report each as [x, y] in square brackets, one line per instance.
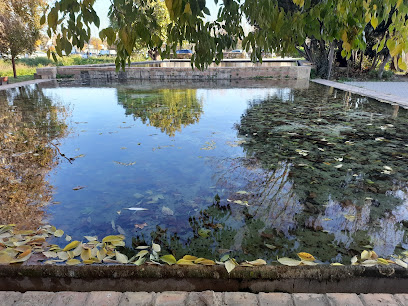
[346, 161]
[167, 109]
[299, 197]
[28, 122]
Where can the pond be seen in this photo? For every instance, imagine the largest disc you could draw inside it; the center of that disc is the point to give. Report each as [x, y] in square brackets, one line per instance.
[254, 169]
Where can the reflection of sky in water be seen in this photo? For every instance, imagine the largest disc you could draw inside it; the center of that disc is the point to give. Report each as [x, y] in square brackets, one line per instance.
[168, 172]
[122, 162]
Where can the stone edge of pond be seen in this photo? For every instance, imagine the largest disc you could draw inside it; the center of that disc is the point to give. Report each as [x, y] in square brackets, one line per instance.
[382, 97]
[316, 279]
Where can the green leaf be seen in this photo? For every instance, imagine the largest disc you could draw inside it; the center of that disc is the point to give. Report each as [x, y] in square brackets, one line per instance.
[122, 258]
[374, 21]
[205, 233]
[169, 259]
[225, 258]
[53, 18]
[156, 247]
[230, 265]
[58, 233]
[289, 261]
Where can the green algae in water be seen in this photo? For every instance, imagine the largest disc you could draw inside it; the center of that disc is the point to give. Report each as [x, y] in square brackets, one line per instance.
[311, 170]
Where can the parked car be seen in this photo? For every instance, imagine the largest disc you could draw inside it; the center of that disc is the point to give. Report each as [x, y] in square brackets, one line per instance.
[184, 54]
[107, 53]
[38, 54]
[184, 51]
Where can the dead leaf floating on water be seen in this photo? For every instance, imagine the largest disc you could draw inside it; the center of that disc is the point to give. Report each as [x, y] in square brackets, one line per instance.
[167, 211]
[135, 208]
[78, 188]
[125, 164]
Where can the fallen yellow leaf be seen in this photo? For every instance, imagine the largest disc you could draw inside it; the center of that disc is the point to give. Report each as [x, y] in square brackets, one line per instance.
[306, 256]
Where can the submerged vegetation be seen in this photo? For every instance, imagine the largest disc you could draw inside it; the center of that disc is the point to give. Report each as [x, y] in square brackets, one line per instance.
[300, 171]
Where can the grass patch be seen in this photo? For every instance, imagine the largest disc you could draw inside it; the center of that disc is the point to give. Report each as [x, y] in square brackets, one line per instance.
[21, 78]
[22, 69]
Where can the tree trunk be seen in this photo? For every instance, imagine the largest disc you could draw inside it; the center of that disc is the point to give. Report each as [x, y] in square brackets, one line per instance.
[153, 53]
[331, 58]
[382, 66]
[375, 61]
[361, 61]
[13, 62]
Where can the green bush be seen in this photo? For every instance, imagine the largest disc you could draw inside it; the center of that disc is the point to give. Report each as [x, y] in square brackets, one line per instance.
[78, 60]
[37, 62]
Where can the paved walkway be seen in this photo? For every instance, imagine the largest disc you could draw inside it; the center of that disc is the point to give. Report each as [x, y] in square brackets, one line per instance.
[173, 298]
[20, 84]
[394, 92]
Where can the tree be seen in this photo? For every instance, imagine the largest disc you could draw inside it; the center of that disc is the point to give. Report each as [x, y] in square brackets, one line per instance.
[150, 22]
[280, 26]
[30, 122]
[20, 27]
[177, 108]
[96, 42]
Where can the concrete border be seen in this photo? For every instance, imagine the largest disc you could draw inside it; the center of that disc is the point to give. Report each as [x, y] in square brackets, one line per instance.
[160, 70]
[312, 279]
[21, 84]
[382, 97]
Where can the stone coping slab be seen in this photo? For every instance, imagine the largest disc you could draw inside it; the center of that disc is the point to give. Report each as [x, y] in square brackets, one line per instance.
[177, 298]
[21, 84]
[304, 279]
[375, 94]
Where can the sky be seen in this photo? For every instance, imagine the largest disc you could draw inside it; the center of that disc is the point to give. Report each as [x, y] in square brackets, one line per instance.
[102, 9]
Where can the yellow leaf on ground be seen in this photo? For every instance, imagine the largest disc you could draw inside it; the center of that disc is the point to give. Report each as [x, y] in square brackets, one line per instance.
[73, 262]
[24, 254]
[289, 261]
[258, 262]
[306, 256]
[189, 257]
[112, 238]
[71, 245]
[185, 262]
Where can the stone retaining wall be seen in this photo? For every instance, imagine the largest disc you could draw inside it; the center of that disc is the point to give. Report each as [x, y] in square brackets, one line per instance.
[316, 279]
[109, 73]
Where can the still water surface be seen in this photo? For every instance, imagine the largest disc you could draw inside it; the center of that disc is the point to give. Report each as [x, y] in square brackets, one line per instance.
[256, 170]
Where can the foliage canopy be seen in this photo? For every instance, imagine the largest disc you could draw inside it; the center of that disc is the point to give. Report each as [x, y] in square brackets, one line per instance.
[19, 26]
[278, 25]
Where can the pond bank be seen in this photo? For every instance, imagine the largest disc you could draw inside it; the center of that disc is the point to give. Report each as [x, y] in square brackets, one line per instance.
[122, 278]
[21, 84]
[376, 90]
